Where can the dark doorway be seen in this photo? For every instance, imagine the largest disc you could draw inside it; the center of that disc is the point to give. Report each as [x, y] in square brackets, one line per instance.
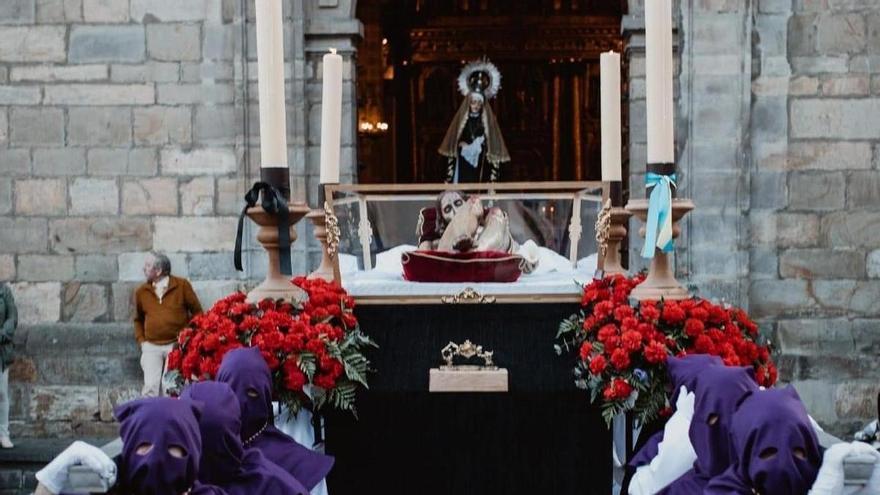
[548, 107]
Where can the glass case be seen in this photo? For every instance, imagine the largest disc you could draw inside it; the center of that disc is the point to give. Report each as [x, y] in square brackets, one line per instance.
[430, 243]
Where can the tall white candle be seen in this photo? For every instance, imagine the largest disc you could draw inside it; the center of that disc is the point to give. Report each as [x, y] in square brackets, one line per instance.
[658, 68]
[270, 71]
[331, 117]
[609, 76]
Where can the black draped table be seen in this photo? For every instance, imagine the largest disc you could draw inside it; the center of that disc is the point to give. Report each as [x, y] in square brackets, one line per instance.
[542, 436]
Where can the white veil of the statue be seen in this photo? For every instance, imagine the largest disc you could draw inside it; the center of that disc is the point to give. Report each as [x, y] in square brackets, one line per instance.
[470, 81]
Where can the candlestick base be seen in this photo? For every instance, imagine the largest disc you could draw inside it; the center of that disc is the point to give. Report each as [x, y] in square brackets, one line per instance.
[326, 270]
[616, 234]
[276, 285]
[661, 282]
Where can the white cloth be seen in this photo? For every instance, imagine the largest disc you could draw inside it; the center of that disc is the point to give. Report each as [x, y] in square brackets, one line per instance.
[160, 287]
[54, 475]
[4, 403]
[154, 359]
[389, 261]
[299, 428]
[471, 152]
[675, 454]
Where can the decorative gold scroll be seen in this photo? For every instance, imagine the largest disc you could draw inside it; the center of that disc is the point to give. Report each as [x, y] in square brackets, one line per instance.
[468, 296]
[467, 350]
[603, 228]
[333, 232]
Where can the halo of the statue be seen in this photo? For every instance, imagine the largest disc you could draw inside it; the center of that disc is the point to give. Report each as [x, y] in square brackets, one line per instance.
[464, 79]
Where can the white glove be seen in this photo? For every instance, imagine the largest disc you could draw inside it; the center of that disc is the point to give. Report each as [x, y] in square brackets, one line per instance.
[872, 487]
[829, 480]
[54, 475]
[685, 403]
[675, 454]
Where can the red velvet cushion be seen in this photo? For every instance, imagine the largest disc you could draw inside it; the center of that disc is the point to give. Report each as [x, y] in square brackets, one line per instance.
[471, 266]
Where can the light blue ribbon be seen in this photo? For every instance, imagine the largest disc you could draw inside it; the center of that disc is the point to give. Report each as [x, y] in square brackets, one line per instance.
[658, 229]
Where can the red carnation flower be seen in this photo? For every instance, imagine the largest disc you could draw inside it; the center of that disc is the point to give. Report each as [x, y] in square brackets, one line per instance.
[623, 311]
[325, 381]
[598, 364]
[631, 340]
[649, 312]
[620, 359]
[611, 344]
[174, 359]
[704, 345]
[699, 313]
[693, 327]
[586, 349]
[618, 389]
[606, 332]
[294, 378]
[629, 323]
[672, 313]
[655, 353]
[590, 323]
[603, 309]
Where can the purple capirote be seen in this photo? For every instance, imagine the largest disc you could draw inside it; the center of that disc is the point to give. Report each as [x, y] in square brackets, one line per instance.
[249, 376]
[776, 449]
[148, 465]
[717, 391]
[682, 371]
[225, 461]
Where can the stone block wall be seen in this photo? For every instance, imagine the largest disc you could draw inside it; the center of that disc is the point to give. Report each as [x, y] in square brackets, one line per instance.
[120, 132]
[128, 126]
[777, 140]
[818, 235]
[131, 125]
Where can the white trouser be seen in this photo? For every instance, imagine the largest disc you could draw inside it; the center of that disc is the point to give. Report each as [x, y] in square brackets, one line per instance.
[153, 360]
[4, 403]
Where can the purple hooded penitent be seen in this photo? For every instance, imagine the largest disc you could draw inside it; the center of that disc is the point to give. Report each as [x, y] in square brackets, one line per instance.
[247, 373]
[225, 462]
[158, 424]
[717, 391]
[682, 371]
[776, 449]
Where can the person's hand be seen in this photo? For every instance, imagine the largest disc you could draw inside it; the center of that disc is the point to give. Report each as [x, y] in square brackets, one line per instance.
[685, 402]
[867, 450]
[54, 476]
[830, 479]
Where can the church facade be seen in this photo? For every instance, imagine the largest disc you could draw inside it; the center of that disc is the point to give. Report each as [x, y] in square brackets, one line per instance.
[127, 126]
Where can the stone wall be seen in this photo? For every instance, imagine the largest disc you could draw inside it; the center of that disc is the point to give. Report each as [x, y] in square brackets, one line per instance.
[777, 141]
[815, 238]
[128, 126]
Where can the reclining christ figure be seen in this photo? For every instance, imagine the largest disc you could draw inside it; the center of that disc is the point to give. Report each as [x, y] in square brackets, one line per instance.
[459, 223]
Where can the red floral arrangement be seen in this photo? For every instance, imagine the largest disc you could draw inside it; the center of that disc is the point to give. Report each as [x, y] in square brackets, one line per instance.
[318, 343]
[622, 346]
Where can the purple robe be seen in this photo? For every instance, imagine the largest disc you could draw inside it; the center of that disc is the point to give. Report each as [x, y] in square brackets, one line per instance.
[161, 422]
[249, 376]
[682, 371]
[225, 462]
[777, 451]
[717, 391]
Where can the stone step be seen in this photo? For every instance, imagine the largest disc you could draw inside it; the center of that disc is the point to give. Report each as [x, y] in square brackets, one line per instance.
[19, 464]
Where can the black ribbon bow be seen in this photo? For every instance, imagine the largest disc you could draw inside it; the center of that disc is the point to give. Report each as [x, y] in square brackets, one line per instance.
[275, 204]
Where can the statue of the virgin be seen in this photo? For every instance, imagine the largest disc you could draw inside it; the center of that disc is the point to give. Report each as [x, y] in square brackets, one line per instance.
[473, 143]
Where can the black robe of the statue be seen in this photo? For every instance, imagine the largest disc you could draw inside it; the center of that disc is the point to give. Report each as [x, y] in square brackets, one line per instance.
[473, 129]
